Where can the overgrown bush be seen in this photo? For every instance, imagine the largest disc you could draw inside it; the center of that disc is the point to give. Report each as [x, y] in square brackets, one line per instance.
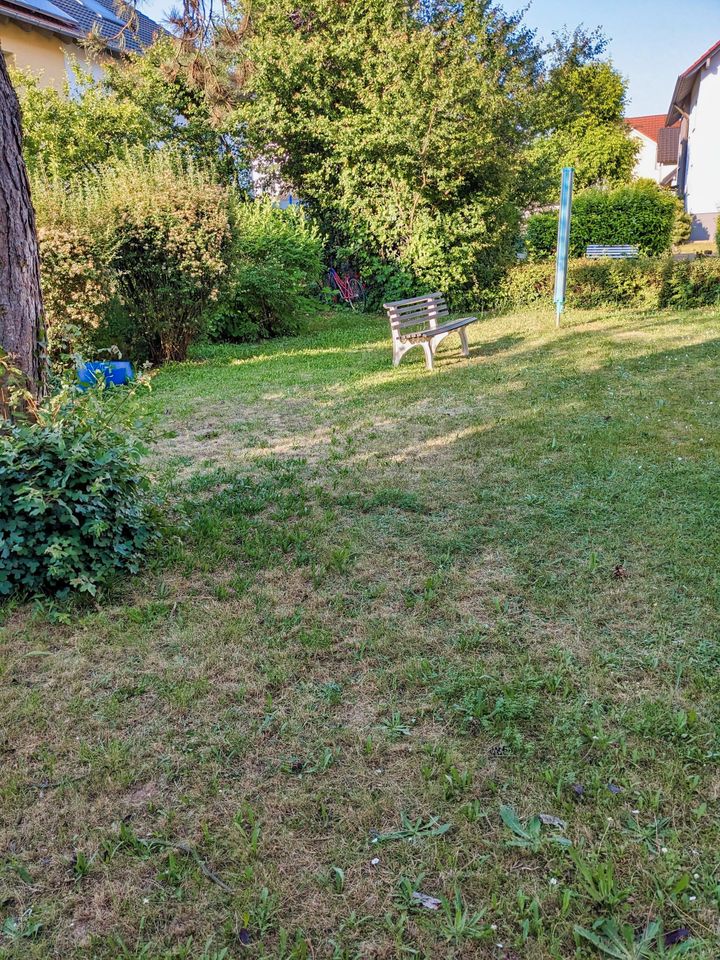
[76, 505]
[169, 239]
[274, 263]
[154, 230]
[646, 282]
[642, 214]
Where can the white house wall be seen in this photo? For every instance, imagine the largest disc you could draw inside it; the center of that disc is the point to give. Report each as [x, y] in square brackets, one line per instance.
[645, 164]
[702, 184]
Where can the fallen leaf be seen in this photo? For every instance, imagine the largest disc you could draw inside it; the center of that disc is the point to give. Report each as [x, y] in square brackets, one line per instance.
[244, 937]
[619, 572]
[614, 788]
[423, 900]
[578, 789]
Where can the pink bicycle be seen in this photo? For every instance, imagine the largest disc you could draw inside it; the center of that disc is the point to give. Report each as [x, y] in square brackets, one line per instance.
[352, 290]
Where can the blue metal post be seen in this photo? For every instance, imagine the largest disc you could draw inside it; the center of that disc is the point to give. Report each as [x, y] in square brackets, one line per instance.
[563, 242]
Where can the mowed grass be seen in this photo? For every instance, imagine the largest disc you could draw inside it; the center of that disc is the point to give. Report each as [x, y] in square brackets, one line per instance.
[397, 618]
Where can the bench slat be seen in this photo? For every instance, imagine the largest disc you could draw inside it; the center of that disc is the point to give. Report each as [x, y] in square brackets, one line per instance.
[417, 308]
[443, 328]
[616, 251]
[412, 300]
[423, 318]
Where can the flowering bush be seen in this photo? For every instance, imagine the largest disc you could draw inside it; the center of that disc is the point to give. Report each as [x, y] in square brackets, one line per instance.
[78, 288]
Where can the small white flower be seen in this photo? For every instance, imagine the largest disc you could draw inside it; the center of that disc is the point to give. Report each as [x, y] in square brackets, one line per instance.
[375, 861]
[553, 881]
[663, 849]
[146, 900]
[692, 899]
[696, 876]
[636, 812]
[493, 926]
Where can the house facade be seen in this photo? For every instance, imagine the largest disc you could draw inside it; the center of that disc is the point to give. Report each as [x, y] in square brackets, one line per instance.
[695, 106]
[47, 37]
[657, 157]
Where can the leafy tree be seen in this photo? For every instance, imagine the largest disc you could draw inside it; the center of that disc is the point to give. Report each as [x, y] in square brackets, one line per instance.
[144, 99]
[402, 125]
[66, 135]
[580, 108]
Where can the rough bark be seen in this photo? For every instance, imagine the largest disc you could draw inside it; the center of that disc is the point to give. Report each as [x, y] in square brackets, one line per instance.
[22, 332]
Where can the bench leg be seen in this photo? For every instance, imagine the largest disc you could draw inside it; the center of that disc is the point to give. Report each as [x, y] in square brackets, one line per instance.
[464, 341]
[427, 347]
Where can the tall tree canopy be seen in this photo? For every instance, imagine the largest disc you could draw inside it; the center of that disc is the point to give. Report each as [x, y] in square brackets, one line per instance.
[417, 131]
[579, 107]
[403, 125]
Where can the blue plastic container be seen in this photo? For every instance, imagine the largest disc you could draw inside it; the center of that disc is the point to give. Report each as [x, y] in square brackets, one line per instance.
[115, 372]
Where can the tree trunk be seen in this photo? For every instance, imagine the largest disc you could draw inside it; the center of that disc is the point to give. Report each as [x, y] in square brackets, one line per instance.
[22, 331]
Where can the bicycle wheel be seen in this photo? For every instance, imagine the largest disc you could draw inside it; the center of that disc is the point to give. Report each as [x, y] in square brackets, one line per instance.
[357, 293]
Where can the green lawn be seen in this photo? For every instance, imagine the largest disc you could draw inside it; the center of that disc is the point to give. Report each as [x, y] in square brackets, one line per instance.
[392, 606]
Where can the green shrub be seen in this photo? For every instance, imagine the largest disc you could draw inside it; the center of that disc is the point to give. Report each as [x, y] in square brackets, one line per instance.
[694, 283]
[591, 283]
[541, 235]
[642, 214]
[168, 242]
[75, 504]
[275, 262]
[160, 226]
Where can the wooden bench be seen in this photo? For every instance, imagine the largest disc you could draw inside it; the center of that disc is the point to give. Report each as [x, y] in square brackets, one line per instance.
[414, 323]
[596, 250]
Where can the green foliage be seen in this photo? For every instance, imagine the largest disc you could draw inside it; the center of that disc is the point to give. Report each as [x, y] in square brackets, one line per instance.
[580, 107]
[645, 282]
[169, 244]
[410, 157]
[275, 261]
[65, 135]
[144, 100]
[694, 283]
[78, 288]
[159, 250]
[620, 941]
[75, 503]
[641, 213]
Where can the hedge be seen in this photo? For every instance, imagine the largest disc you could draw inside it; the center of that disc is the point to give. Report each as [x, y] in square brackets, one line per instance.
[641, 214]
[646, 282]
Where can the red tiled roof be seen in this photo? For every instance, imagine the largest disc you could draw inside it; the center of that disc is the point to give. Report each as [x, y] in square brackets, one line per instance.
[648, 125]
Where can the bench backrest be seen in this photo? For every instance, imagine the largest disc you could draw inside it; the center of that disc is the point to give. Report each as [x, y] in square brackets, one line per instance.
[617, 252]
[416, 312]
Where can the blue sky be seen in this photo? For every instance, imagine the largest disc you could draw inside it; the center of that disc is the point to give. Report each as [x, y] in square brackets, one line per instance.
[651, 41]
